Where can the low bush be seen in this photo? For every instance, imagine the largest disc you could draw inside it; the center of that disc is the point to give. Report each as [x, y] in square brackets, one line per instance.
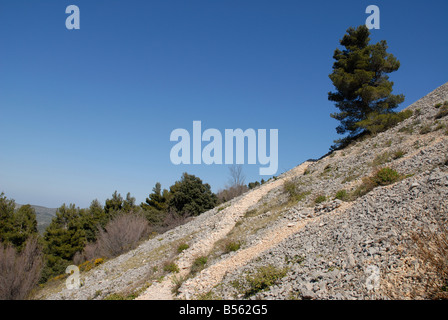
[443, 111]
[320, 199]
[231, 246]
[425, 129]
[263, 278]
[182, 247]
[385, 176]
[342, 195]
[381, 177]
[171, 267]
[198, 265]
[293, 191]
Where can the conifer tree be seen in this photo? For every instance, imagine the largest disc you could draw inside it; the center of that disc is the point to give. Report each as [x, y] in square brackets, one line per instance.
[360, 78]
[114, 204]
[157, 199]
[191, 196]
[65, 235]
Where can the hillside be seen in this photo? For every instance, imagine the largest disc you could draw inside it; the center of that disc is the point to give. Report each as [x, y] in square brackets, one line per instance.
[291, 239]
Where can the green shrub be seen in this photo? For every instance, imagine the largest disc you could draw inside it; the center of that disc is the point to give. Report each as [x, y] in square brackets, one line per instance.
[385, 176]
[198, 264]
[365, 187]
[290, 188]
[378, 122]
[171, 267]
[232, 246]
[342, 195]
[382, 177]
[443, 111]
[320, 199]
[264, 277]
[293, 192]
[182, 247]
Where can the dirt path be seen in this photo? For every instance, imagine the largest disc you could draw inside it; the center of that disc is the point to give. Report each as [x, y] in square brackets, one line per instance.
[211, 276]
[230, 216]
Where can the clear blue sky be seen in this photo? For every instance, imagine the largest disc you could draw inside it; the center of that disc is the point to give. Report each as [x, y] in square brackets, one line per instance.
[86, 112]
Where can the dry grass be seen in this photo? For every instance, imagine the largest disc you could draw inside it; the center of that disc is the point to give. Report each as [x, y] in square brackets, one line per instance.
[431, 247]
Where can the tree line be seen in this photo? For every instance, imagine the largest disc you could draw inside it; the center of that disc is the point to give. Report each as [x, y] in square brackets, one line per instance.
[78, 235]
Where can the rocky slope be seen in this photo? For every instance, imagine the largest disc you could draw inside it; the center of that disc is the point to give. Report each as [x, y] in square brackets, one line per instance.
[291, 239]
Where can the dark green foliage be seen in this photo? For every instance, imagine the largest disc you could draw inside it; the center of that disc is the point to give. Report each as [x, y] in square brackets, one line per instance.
[117, 205]
[253, 185]
[63, 238]
[191, 196]
[379, 122]
[129, 204]
[157, 199]
[92, 219]
[6, 218]
[25, 226]
[16, 226]
[114, 204]
[360, 78]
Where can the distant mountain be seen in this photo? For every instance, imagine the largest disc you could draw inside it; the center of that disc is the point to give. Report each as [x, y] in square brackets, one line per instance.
[43, 216]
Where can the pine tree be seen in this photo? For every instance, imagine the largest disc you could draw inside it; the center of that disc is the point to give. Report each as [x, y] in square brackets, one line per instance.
[191, 196]
[129, 204]
[16, 226]
[6, 218]
[360, 77]
[115, 204]
[65, 235]
[25, 226]
[157, 199]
